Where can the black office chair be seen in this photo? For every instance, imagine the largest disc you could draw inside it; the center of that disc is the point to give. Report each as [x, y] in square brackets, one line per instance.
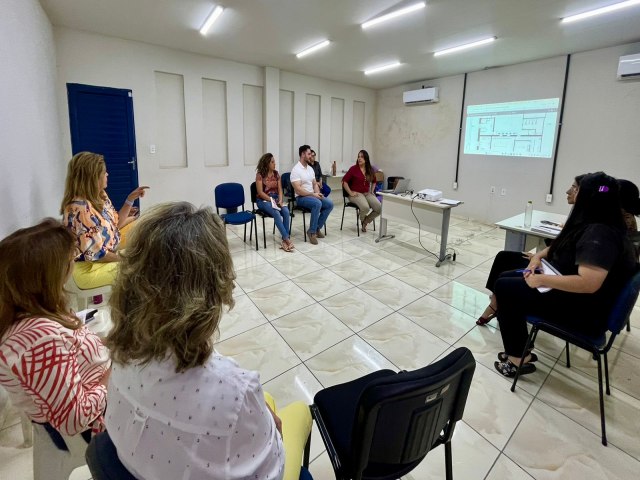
[260, 213]
[598, 346]
[102, 459]
[348, 203]
[287, 190]
[230, 196]
[382, 425]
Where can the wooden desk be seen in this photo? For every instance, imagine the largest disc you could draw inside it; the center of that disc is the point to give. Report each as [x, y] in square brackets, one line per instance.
[522, 239]
[432, 216]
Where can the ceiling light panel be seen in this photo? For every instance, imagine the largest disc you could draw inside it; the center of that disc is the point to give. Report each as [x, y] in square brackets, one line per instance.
[466, 46]
[314, 48]
[601, 11]
[213, 16]
[397, 13]
[382, 68]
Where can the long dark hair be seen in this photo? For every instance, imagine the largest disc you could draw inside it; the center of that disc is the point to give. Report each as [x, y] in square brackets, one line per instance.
[629, 197]
[368, 170]
[598, 201]
[263, 164]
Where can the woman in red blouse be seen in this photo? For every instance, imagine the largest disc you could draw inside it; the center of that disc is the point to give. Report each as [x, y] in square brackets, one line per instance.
[53, 367]
[357, 184]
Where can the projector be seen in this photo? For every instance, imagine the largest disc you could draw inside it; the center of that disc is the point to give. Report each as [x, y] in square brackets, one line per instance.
[430, 195]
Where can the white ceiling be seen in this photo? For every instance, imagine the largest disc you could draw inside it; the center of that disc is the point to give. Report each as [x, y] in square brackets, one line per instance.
[270, 32]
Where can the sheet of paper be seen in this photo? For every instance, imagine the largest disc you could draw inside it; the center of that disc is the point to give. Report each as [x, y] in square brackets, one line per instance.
[547, 269]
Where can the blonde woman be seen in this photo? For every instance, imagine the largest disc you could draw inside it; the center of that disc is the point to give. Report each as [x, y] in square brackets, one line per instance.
[175, 405]
[90, 216]
[54, 369]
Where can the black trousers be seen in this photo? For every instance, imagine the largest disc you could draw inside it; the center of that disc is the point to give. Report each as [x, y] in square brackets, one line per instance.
[516, 300]
[504, 262]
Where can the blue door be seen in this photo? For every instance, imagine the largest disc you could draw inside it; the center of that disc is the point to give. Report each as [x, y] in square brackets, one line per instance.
[101, 121]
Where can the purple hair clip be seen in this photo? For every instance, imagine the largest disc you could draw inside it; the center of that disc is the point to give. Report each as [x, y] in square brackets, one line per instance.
[603, 188]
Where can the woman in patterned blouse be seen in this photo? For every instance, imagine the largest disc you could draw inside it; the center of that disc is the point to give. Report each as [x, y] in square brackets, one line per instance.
[91, 217]
[268, 188]
[54, 369]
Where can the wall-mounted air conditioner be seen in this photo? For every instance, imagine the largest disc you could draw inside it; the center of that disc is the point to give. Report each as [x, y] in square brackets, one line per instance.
[424, 95]
[629, 67]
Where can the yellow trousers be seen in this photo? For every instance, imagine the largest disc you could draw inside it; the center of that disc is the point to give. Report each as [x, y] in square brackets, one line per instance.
[296, 427]
[98, 274]
[94, 274]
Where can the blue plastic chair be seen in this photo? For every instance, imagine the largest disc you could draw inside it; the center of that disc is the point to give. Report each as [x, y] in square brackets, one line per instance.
[287, 189]
[598, 346]
[230, 196]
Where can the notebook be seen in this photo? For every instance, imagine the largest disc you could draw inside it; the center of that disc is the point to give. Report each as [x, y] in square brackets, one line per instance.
[547, 269]
[402, 186]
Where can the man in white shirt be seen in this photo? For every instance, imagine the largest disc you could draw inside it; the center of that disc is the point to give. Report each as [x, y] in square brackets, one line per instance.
[307, 191]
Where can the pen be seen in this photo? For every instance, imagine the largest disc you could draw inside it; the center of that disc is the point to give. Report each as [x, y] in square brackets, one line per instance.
[527, 270]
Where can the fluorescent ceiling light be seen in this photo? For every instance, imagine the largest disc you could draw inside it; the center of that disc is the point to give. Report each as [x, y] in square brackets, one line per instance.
[215, 14]
[397, 13]
[600, 11]
[382, 68]
[464, 47]
[314, 48]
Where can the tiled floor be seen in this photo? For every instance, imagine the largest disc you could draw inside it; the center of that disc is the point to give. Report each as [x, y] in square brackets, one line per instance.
[330, 313]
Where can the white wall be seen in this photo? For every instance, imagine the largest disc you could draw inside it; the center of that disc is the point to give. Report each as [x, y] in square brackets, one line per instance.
[599, 132]
[300, 85]
[110, 62]
[601, 120]
[31, 166]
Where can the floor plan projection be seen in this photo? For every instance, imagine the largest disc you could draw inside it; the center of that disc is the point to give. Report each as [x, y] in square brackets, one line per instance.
[514, 129]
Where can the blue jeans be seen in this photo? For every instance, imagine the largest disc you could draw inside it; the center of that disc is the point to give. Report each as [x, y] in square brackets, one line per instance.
[320, 210]
[282, 217]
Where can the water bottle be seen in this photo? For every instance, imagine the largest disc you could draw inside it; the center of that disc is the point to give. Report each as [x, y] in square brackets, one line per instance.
[528, 213]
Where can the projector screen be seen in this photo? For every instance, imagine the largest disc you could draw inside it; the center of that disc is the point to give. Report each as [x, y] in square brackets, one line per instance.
[512, 129]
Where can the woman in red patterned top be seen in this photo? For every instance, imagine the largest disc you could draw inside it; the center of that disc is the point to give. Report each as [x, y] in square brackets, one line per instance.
[357, 184]
[54, 369]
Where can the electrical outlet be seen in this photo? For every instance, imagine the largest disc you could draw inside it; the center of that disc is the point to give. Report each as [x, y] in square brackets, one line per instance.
[549, 198]
[503, 192]
[492, 190]
[455, 185]
[152, 149]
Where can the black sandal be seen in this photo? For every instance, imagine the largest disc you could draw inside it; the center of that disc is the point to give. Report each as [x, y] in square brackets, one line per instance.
[484, 320]
[509, 369]
[503, 357]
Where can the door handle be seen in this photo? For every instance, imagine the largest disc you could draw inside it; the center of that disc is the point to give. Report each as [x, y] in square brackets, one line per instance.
[133, 163]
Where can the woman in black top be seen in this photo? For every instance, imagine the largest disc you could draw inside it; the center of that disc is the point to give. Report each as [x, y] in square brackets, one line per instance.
[508, 260]
[595, 258]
